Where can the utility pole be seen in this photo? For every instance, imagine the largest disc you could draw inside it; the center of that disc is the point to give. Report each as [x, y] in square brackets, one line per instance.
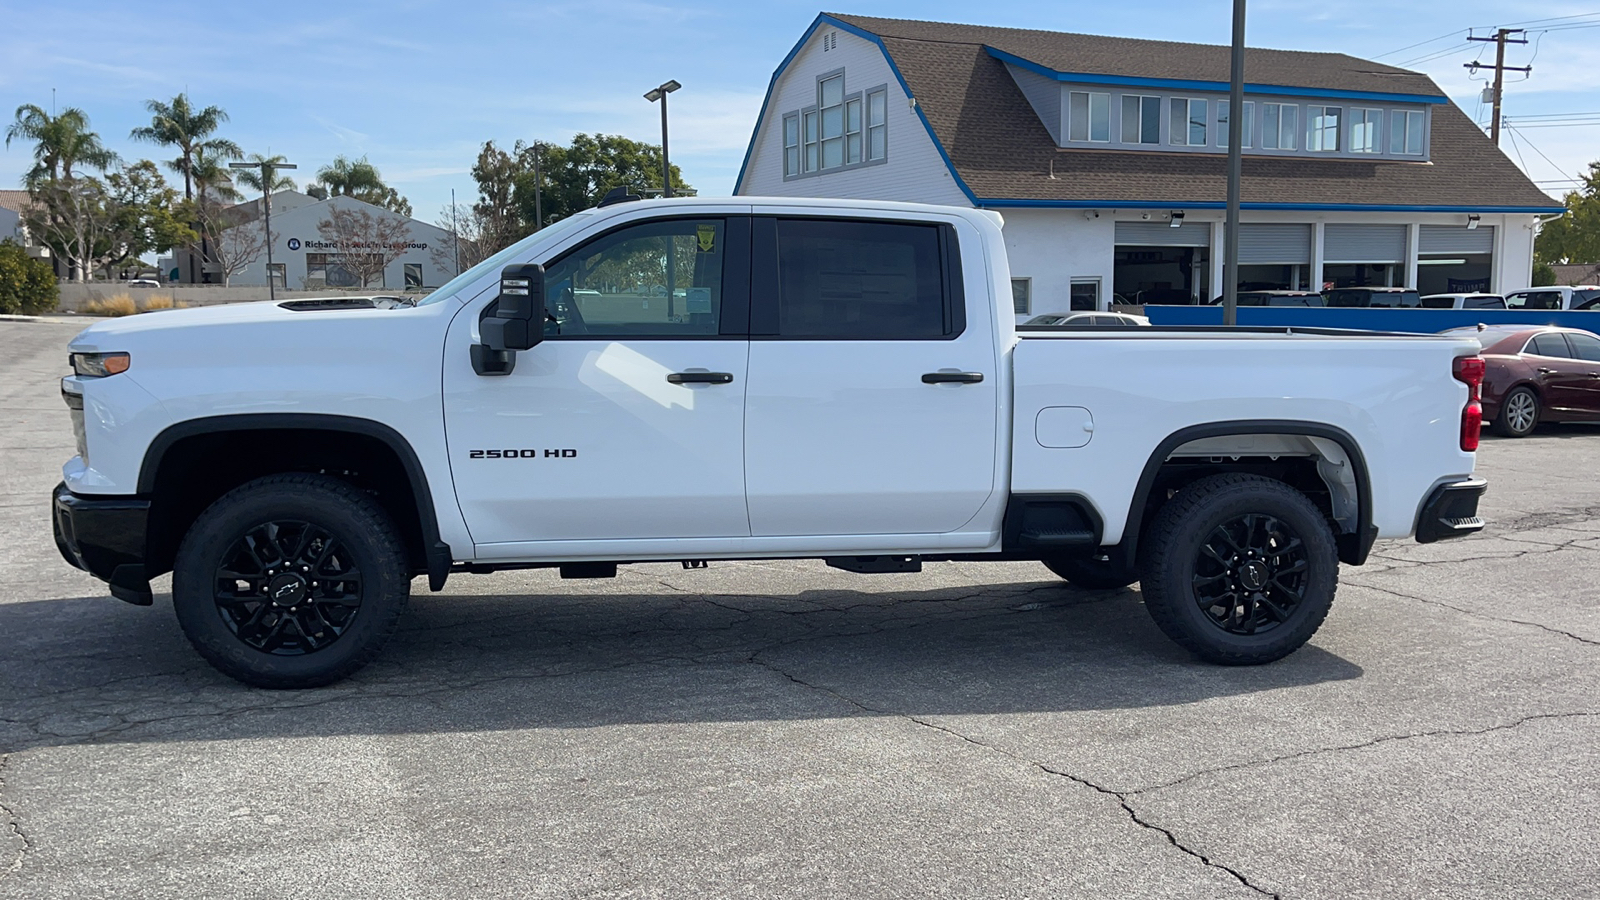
[538, 190]
[1230, 240]
[655, 94]
[1501, 38]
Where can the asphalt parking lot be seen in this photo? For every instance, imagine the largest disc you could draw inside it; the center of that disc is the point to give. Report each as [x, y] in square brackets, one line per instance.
[787, 730]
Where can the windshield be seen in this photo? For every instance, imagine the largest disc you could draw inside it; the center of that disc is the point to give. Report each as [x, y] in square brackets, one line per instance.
[456, 284]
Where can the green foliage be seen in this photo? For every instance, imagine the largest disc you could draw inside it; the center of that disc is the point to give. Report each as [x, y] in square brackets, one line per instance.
[178, 124]
[60, 142]
[1543, 275]
[146, 214]
[359, 179]
[1575, 237]
[27, 286]
[571, 178]
[251, 178]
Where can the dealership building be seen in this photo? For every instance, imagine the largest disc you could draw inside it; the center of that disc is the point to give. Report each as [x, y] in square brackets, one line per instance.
[1108, 158]
[304, 259]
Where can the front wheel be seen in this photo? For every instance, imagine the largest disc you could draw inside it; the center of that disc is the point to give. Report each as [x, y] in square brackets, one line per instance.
[291, 581]
[1239, 569]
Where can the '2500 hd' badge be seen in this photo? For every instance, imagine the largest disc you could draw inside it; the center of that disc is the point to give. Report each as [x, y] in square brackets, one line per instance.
[527, 453]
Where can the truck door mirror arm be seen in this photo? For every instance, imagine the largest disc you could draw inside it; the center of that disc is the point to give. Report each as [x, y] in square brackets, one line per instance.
[518, 321]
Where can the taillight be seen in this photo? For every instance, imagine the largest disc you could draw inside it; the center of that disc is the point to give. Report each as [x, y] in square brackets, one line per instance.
[1469, 371]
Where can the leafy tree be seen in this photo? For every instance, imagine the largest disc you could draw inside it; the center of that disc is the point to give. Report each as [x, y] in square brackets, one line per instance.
[360, 179]
[571, 178]
[74, 218]
[251, 178]
[146, 214]
[27, 285]
[1575, 237]
[1543, 275]
[179, 125]
[60, 142]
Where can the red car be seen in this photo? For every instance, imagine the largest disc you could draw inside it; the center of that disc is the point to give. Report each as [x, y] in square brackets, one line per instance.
[1536, 374]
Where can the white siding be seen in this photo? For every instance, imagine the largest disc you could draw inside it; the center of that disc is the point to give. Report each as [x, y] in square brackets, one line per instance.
[1044, 95]
[915, 171]
[300, 225]
[1052, 247]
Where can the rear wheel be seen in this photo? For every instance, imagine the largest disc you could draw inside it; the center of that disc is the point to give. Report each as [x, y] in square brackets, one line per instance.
[1519, 413]
[1095, 573]
[291, 581]
[1239, 569]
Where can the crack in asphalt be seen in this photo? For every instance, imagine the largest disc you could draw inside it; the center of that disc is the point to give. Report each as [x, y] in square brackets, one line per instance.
[1377, 741]
[1120, 796]
[13, 826]
[1479, 615]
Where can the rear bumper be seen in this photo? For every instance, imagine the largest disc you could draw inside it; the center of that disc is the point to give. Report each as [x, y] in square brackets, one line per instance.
[1451, 511]
[105, 536]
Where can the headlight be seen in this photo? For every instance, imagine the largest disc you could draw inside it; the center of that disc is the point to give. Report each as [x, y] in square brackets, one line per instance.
[99, 365]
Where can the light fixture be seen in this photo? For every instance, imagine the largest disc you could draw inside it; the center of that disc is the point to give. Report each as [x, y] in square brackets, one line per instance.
[1091, 214]
[1177, 218]
[1145, 216]
[653, 95]
[1472, 221]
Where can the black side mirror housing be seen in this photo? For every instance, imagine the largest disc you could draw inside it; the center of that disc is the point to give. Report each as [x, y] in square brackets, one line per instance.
[518, 322]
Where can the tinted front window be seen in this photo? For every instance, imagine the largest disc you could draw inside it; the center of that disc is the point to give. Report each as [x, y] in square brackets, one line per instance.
[1347, 298]
[1585, 347]
[875, 280]
[654, 279]
[1484, 303]
[1439, 303]
[1535, 300]
[1550, 344]
[1408, 299]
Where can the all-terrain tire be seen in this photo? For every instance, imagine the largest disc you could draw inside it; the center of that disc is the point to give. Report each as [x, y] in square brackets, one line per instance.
[1261, 537]
[352, 587]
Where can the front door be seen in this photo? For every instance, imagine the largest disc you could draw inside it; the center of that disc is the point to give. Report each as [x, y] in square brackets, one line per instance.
[1564, 381]
[872, 401]
[627, 421]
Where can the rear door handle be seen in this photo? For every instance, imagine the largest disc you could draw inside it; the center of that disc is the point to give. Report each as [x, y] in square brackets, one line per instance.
[700, 378]
[952, 378]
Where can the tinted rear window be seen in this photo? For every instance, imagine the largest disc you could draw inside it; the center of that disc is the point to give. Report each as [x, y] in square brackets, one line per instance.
[872, 280]
[1484, 303]
[1348, 298]
[1439, 303]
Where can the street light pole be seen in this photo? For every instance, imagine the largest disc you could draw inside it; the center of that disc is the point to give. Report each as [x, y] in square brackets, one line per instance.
[661, 93]
[267, 169]
[1230, 228]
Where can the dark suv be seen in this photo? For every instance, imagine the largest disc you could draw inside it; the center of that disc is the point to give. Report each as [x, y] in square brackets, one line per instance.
[1392, 297]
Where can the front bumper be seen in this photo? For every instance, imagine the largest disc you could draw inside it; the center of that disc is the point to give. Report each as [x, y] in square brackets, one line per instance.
[105, 536]
[1451, 511]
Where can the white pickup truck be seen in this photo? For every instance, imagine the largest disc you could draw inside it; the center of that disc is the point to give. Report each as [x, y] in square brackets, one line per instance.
[698, 379]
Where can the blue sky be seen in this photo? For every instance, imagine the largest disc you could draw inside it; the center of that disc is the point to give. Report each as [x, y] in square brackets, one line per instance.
[418, 86]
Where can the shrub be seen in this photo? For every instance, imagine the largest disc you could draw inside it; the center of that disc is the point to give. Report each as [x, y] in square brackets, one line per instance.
[27, 285]
[161, 301]
[115, 305]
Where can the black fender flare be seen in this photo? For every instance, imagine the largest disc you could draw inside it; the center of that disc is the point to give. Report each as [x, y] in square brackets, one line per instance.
[1353, 547]
[436, 552]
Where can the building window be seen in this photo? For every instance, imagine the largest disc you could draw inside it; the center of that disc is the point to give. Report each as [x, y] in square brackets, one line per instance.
[1322, 128]
[1248, 123]
[413, 276]
[277, 274]
[791, 145]
[1085, 293]
[1405, 133]
[1021, 296]
[809, 130]
[852, 130]
[1141, 119]
[1088, 116]
[877, 124]
[1189, 120]
[830, 101]
[1277, 126]
[1364, 130]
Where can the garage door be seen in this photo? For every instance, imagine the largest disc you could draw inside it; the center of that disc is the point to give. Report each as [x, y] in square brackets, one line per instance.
[1162, 234]
[1364, 243]
[1284, 245]
[1456, 239]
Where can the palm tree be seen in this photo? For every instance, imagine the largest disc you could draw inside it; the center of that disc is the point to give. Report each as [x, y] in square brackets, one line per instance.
[251, 178]
[212, 177]
[351, 178]
[177, 124]
[61, 142]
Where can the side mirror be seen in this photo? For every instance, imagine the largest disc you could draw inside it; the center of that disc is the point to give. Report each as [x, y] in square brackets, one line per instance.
[518, 322]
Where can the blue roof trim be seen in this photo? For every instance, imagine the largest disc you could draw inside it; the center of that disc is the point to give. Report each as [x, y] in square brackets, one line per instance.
[1183, 84]
[1002, 203]
[825, 19]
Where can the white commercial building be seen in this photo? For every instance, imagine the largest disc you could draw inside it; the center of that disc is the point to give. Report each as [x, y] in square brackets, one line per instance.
[1107, 157]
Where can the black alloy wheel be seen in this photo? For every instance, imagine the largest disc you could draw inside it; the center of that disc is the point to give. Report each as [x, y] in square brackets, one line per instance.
[291, 581]
[1239, 569]
[1250, 574]
[288, 588]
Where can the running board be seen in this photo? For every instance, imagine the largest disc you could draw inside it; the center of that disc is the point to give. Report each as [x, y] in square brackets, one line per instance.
[875, 565]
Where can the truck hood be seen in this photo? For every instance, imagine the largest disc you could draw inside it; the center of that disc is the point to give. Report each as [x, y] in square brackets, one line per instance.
[114, 334]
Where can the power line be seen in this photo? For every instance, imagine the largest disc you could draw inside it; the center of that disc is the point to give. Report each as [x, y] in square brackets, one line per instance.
[1421, 43]
[1524, 139]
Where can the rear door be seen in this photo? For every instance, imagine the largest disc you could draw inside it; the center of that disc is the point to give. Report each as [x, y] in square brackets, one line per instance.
[873, 396]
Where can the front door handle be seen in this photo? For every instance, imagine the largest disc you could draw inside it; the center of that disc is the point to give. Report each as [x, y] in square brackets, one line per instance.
[1545, 370]
[952, 378]
[700, 378]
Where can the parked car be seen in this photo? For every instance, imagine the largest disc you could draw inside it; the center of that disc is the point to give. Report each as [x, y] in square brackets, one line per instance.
[1086, 318]
[1276, 298]
[1164, 297]
[1392, 297]
[1583, 296]
[1537, 374]
[142, 283]
[1463, 301]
